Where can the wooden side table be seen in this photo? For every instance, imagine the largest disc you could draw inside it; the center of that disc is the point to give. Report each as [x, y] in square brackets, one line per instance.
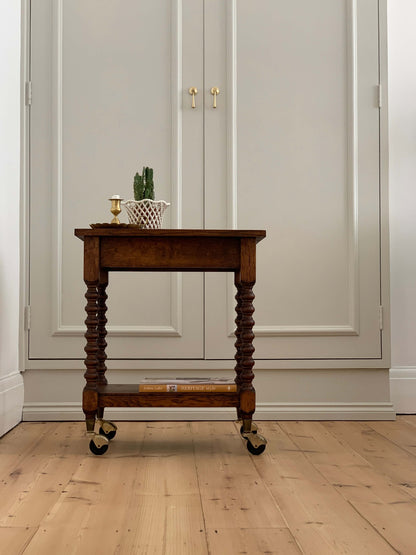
[116, 248]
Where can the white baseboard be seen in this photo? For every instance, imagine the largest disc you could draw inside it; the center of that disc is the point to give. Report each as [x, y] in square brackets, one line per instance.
[403, 389]
[264, 411]
[11, 401]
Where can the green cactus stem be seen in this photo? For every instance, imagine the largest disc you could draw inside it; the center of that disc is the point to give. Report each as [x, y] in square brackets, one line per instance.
[149, 190]
[138, 187]
[143, 185]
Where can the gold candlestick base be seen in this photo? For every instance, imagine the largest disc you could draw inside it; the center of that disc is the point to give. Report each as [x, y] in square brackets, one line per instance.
[115, 208]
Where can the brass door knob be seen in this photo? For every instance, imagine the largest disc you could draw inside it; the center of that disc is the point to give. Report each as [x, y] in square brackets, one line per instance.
[214, 92]
[193, 91]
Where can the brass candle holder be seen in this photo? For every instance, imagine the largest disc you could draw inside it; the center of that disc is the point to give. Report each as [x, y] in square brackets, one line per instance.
[115, 208]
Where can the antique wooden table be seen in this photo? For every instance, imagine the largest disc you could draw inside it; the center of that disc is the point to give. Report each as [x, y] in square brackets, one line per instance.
[117, 248]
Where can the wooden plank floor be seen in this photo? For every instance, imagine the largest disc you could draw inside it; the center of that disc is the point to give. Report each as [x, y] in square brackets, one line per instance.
[193, 488]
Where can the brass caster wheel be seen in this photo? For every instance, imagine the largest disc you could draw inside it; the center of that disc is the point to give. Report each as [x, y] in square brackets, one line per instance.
[99, 444]
[255, 450]
[97, 450]
[107, 429]
[256, 443]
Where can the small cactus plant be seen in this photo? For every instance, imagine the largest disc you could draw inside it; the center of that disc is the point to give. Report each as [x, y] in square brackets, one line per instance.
[144, 211]
[143, 185]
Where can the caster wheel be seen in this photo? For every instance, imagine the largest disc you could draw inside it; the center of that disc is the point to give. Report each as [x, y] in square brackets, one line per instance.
[98, 450]
[109, 435]
[242, 430]
[255, 450]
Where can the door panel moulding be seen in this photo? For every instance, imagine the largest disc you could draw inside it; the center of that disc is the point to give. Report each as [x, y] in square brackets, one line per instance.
[350, 328]
[174, 327]
[121, 365]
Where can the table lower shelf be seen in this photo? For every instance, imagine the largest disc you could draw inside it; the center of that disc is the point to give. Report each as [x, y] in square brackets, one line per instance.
[127, 395]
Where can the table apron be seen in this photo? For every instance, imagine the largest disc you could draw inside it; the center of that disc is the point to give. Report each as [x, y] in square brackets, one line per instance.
[179, 253]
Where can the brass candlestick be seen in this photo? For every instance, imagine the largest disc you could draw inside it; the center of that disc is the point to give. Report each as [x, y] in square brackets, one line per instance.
[115, 208]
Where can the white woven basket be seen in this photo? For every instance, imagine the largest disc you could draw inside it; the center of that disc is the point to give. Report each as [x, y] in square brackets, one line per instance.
[146, 213]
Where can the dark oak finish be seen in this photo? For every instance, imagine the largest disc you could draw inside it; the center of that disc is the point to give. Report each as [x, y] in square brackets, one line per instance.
[116, 231]
[132, 249]
[127, 395]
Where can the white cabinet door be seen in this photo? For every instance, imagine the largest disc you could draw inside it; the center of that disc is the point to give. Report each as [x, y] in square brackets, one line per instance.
[293, 148]
[110, 87]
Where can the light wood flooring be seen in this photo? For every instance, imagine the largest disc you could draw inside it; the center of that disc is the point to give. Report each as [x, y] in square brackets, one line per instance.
[193, 488]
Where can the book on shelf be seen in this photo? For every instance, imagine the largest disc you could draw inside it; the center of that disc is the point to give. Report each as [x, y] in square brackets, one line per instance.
[187, 385]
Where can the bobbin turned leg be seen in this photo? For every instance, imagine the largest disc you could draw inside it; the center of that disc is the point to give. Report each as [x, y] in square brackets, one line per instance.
[245, 281]
[101, 329]
[245, 350]
[94, 280]
[98, 443]
[238, 341]
[106, 428]
[90, 394]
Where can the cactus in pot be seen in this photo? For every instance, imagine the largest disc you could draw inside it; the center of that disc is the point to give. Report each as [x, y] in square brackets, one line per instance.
[143, 185]
[144, 210]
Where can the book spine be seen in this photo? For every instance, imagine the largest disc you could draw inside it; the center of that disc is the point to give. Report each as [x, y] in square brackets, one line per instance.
[186, 388]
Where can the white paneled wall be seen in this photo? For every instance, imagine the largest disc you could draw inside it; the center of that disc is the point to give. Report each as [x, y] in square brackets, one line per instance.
[321, 291]
[402, 138]
[11, 384]
[402, 176]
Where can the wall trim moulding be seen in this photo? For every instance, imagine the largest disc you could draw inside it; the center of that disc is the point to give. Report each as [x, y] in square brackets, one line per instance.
[11, 401]
[34, 412]
[206, 365]
[403, 389]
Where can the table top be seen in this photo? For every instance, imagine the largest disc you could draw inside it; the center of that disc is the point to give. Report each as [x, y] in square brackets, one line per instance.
[126, 231]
